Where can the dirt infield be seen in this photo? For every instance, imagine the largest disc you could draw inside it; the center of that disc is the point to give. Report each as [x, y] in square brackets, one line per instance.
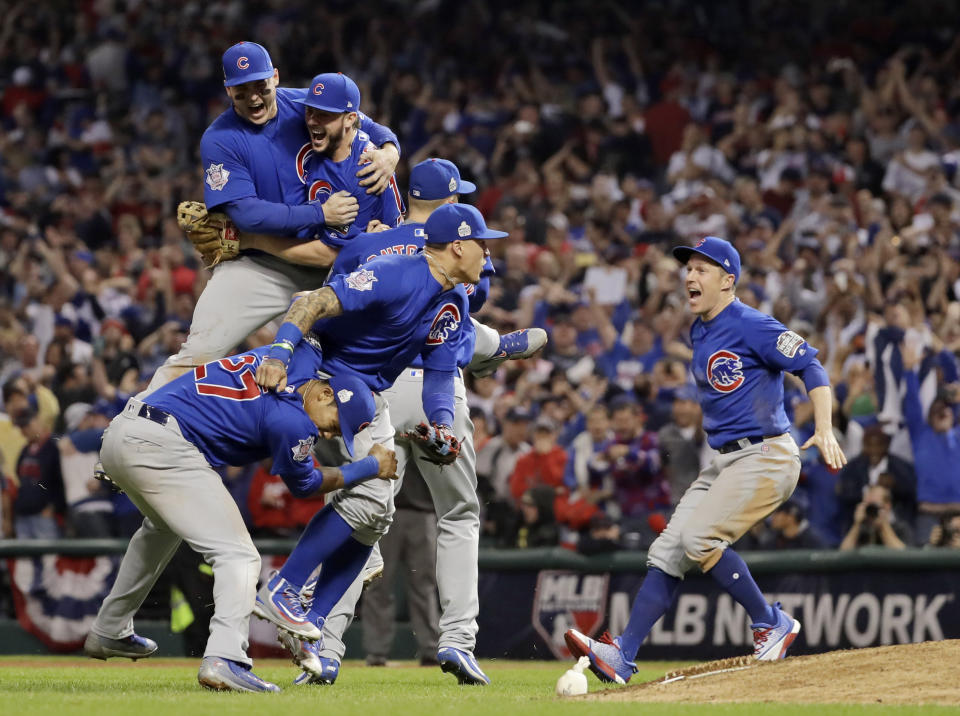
[923, 673]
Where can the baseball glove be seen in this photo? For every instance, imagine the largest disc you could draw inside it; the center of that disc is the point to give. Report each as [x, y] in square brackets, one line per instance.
[213, 235]
[437, 441]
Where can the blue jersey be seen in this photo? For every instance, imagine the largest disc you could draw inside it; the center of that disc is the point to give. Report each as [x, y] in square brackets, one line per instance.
[242, 160]
[222, 411]
[407, 240]
[738, 363]
[394, 310]
[325, 177]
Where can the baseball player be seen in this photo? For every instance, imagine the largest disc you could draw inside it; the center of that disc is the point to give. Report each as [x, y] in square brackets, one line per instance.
[254, 157]
[375, 321]
[739, 356]
[161, 451]
[433, 183]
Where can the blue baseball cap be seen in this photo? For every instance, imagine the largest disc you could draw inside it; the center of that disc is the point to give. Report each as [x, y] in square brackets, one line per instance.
[718, 250]
[246, 62]
[355, 406]
[437, 179]
[332, 92]
[457, 222]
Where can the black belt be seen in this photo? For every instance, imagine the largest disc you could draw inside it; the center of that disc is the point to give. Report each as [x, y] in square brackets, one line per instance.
[741, 443]
[160, 417]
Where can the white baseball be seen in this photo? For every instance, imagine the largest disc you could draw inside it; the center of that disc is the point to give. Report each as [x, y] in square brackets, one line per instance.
[572, 683]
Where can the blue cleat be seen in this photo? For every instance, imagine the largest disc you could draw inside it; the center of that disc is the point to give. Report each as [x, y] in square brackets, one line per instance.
[306, 654]
[221, 674]
[279, 602]
[131, 647]
[770, 642]
[607, 662]
[330, 670]
[513, 346]
[463, 665]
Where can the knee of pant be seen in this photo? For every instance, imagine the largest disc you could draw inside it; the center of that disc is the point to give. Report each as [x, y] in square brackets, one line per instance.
[696, 545]
[370, 534]
[661, 556]
[464, 510]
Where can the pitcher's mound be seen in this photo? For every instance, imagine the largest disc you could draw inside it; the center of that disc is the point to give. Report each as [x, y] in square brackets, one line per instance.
[923, 673]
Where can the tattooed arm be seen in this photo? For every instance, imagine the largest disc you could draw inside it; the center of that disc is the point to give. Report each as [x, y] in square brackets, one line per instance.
[322, 303]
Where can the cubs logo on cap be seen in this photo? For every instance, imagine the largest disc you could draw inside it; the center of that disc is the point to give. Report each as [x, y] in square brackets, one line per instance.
[456, 222]
[246, 62]
[332, 92]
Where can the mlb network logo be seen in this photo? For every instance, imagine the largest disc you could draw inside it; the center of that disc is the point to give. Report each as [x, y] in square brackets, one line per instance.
[568, 600]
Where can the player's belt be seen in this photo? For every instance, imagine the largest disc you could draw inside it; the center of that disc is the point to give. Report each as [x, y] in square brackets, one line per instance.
[160, 417]
[742, 443]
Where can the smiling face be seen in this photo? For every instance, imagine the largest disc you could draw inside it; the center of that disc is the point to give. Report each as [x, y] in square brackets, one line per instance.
[256, 101]
[328, 130]
[709, 287]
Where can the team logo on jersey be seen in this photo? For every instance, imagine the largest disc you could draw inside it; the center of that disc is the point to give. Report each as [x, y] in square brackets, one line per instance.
[302, 451]
[243, 62]
[568, 600]
[344, 395]
[361, 280]
[725, 371]
[320, 188]
[305, 151]
[789, 343]
[444, 325]
[217, 177]
[464, 230]
[318, 88]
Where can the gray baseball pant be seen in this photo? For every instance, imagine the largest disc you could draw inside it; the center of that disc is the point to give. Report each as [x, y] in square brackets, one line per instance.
[454, 492]
[181, 498]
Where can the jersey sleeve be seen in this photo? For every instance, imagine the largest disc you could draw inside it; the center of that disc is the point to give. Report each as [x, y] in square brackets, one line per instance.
[370, 284]
[379, 134]
[777, 346]
[226, 175]
[291, 436]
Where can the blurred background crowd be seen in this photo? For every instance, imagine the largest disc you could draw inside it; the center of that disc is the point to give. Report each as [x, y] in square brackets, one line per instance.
[823, 140]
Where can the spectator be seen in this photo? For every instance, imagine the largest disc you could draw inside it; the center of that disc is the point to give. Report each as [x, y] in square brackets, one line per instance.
[790, 529]
[543, 464]
[537, 526]
[89, 505]
[947, 532]
[38, 503]
[874, 523]
[602, 537]
[682, 441]
[274, 511]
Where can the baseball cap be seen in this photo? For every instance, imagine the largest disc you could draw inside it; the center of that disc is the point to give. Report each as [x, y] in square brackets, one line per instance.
[246, 62]
[355, 406]
[517, 415]
[455, 222]
[717, 250]
[332, 92]
[74, 415]
[437, 179]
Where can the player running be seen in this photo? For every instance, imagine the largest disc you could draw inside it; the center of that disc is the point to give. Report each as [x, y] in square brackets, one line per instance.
[739, 356]
[161, 451]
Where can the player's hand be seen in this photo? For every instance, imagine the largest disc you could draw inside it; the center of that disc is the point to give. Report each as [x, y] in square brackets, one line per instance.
[340, 209]
[387, 461]
[376, 226]
[829, 448]
[272, 375]
[377, 166]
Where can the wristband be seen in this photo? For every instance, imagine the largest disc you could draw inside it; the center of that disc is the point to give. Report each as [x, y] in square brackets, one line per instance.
[355, 472]
[284, 344]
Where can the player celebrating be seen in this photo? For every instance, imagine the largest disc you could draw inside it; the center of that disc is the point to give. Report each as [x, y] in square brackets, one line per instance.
[253, 156]
[378, 319]
[739, 356]
[162, 452]
[433, 183]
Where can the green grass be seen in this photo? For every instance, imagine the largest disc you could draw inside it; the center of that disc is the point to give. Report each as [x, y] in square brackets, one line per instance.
[63, 686]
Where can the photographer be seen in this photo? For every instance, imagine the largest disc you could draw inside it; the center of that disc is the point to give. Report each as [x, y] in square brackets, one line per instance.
[946, 533]
[875, 524]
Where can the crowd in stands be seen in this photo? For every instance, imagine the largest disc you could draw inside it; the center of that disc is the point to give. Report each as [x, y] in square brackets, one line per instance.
[824, 145]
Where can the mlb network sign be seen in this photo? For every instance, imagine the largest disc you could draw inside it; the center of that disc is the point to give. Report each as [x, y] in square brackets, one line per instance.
[837, 611]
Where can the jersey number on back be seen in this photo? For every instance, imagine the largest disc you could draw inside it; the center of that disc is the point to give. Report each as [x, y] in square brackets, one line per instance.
[228, 378]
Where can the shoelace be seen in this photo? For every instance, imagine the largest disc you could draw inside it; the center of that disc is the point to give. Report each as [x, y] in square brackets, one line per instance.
[605, 638]
[760, 638]
[513, 342]
[292, 596]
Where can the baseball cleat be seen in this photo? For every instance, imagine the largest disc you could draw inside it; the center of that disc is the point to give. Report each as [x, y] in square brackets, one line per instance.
[513, 346]
[770, 642]
[463, 665]
[279, 602]
[222, 674]
[607, 662]
[371, 574]
[131, 647]
[329, 673]
[305, 653]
